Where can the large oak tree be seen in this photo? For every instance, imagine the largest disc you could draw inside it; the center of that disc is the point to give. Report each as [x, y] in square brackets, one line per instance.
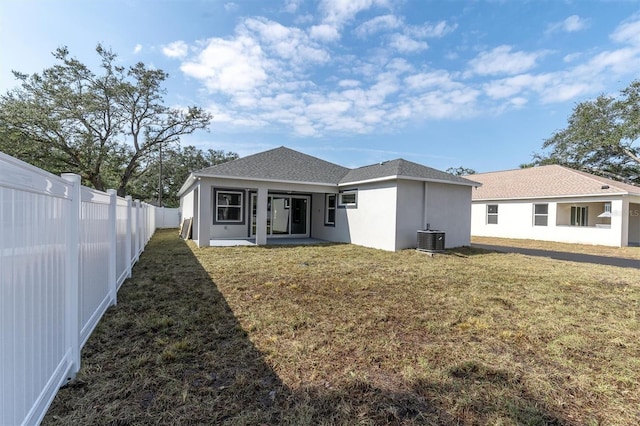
[105, 126]
[163, 177]
[602, 137]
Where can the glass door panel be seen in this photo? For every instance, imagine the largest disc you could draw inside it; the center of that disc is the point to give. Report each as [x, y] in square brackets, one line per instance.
[280, 209]
[298, 216]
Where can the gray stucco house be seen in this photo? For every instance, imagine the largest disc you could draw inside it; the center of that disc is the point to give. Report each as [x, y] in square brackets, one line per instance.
[285, 193]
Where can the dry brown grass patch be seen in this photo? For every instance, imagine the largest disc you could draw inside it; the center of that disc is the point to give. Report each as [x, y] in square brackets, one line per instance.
[340, 334]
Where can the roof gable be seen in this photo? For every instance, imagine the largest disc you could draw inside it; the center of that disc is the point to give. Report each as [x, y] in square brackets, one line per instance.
[279, 164]
[402, 169]
[544, 182]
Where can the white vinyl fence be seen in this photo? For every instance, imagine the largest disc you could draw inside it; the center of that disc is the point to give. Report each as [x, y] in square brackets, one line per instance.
[65, 250]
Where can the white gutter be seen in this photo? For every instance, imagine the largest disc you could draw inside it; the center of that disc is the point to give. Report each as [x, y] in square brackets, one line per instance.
[545, 197]
[394, 177]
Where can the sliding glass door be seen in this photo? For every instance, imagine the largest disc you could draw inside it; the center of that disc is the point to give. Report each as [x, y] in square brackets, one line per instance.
[287, 215]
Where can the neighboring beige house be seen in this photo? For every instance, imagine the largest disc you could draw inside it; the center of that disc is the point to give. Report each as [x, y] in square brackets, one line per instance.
[282, 193]
[555, 203]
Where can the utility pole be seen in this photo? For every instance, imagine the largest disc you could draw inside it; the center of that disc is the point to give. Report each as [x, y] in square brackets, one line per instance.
[160, 189]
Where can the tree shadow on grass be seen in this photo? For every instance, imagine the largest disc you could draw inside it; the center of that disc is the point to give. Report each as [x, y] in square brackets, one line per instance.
[475, 395]
[173, 352]
[170, 352]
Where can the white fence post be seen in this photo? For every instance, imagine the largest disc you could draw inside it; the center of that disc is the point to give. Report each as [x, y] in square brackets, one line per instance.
[138, 230]
[127, 251]
[73, 271]
[113, 244]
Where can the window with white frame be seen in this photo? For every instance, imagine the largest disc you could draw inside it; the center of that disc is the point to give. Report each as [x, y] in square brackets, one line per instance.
[492, 214]
[348, 198]
[229, 206]
[540, 214]
[330, 209]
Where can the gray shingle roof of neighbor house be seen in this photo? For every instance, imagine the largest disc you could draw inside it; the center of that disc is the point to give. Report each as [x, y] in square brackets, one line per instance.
[287, 165]
[545, 182]
[403, 169]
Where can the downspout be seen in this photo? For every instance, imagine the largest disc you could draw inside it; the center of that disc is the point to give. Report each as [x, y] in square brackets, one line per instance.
[425, 223]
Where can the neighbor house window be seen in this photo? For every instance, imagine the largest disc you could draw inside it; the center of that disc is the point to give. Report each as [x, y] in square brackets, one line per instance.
[348, 198]
[229, 206]
[330, 209]
[540, 214]
[579, 216]
[492, 214]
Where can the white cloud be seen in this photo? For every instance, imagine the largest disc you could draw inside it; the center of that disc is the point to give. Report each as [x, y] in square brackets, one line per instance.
[267, 74]
[628, 32]
[440, 104]
[428, 30]
[177, 49]
[565, 92]
[229, 66]
[338, 12]
[435, 79]
[572, 24]
[292, 6]
[508, 87]
[137, 49]
[378, 24]
[288, 43]
[324, 33]
[618, 61]
[519, 101]
[587, 77]
[231, 6]
[392, 22]
[501, 60]
[405, 44]
[348, 83]
[322, 108]
[406, 38]
[571, 57]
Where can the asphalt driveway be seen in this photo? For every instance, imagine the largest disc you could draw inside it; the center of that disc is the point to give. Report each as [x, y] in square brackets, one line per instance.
[567, 256]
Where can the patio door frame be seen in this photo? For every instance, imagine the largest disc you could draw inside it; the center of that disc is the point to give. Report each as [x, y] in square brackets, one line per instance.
[253, 197]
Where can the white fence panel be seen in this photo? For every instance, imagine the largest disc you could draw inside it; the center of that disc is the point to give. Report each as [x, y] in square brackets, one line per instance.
[64, 252]
[167, 218]
[35, 357]
[123, 254]
[135, 223]
[95, 229]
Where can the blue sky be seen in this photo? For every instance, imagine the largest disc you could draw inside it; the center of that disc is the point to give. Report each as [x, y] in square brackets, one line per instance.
[478, 84]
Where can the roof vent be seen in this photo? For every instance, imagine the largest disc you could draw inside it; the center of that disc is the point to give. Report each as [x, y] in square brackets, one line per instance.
[604, 187]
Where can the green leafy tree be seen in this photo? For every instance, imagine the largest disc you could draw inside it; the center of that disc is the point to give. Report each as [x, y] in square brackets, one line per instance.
[602, 137]
[103, 126]
[461, 171]
[167, 171]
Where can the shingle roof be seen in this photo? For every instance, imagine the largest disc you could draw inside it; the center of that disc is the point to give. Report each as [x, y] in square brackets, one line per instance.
[402, 168]
[279, 164]
[287, 165]
[545, 181]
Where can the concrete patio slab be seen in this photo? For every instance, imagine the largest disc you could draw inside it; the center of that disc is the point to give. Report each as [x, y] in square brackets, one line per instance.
[270, 241]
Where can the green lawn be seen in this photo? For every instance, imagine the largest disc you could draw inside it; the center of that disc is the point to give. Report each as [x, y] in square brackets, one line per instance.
[340, 334]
